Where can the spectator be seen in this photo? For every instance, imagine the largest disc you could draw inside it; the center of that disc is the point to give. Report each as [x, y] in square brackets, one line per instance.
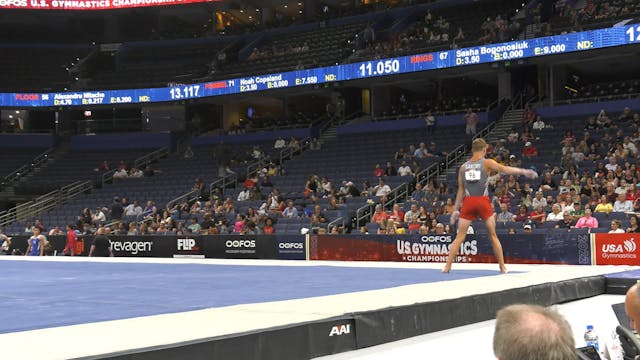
[133, 209]
[527, 332]
[120, 174]
[396, 215]
[556, 214]
[5, 243]
[587, 221]
[291, 211]
[378, 171]
[421, 152]
[56, 231]
[244, 194]
[604, 206]
[379, 215]
[268, 229]
[280, 143]
[622, 204]
[567, 222]
[538, 216]
[98, 216]
[135, 173]
[634, 224]
[404, 169]
[529, 150]
[430, 121]
[116, 211]
[538, 125]
[505, 215]
[471, 119]
[522, 215]
[390, 170]
[381, 190]
[616, 227]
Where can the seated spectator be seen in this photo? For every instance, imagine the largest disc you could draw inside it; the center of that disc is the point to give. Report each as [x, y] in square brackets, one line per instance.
[381, 190]
[539, 200]
[556, 213]
[378, 171]
[616, 227]
[634, 224]
[290, 211]
[440, 229]
[421, 152]
[133, 209]
[98, 216]
[244, 194]
[379, 215]
[390, 170]
[622, 204]
[538, 125]
[280, 143]
[587, 221]
[567, 222]
[528, 228]
[433, 150]
[194, 226]
[505, 215]
[577, 211]
[529, 150]
[418, 194]
[538, 216]
[604, 206]
[396, 215]
[135, 173]
[522, 215]
[56, 231]
[104, 166]
[120, 174]
[404, 169]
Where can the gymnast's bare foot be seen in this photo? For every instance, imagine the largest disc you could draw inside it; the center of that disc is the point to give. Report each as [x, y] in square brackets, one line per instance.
[503, 269]
[446, 268]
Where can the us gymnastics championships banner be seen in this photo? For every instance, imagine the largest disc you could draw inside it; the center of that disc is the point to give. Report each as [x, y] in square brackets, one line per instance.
[90, 4]
[551, 248]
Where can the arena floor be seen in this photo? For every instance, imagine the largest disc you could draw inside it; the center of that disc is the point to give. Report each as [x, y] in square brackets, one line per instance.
[104, 306]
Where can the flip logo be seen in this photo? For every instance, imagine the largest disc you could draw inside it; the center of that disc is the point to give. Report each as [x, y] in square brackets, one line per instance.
[186, 244]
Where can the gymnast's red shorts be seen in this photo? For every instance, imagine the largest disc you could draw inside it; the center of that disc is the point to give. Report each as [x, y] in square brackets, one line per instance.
[476, 206]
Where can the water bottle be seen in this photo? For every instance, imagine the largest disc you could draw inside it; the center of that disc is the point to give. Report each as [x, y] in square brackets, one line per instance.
[591, 338]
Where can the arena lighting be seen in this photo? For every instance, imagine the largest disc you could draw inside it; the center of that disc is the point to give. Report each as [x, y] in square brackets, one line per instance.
[486, 54]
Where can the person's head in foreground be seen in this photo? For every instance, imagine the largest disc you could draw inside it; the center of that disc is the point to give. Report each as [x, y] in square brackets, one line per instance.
[532, 332]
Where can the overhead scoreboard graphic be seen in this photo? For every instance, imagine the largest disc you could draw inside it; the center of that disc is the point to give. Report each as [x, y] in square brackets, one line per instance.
[551, 45]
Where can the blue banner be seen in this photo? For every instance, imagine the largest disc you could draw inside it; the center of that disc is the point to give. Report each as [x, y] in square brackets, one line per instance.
[551, 45]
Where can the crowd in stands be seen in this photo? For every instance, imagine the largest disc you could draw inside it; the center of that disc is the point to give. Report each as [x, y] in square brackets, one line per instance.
[596, 184]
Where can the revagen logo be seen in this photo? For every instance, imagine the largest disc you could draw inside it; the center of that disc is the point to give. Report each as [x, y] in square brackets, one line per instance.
[27, 97]
[339, 330]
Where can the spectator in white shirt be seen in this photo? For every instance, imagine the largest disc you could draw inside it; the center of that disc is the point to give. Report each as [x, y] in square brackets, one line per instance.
[290, 211]
[556, 213]
[630, 146]
[280, 143]
[381, 190]
[622, 204]
[613, 164]
[616, 227]
[244, 194]
[405, 170]
[538, 200]
[98, 216]
[538, 124]
[133, 209]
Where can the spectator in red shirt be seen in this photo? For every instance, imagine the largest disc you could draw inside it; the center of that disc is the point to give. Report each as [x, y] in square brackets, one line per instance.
[538, 215]
[396, 215]
[529, 150]
[268, 227]
[379, 215]
[72, 237]
[378, 171]
[522, 215]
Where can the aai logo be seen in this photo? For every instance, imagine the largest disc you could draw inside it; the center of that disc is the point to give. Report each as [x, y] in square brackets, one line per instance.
[340, 330]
